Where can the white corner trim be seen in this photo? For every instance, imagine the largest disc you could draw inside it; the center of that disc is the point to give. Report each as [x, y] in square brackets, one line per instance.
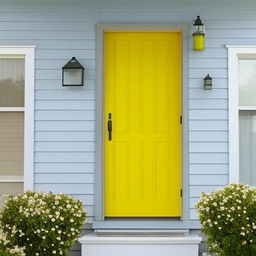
[28, 52]
[234, 53]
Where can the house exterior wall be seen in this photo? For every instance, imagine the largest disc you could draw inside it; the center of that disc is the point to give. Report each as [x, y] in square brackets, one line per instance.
[65, 117]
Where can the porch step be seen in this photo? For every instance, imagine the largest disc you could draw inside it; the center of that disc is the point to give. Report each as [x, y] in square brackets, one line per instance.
[94, 245]
[142, 232]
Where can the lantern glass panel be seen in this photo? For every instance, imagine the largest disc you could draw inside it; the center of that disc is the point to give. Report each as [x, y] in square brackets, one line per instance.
[208, 81]
[201, 29]
[73, 77]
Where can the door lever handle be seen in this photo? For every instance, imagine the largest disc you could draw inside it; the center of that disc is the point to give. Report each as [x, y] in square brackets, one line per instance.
[109, 126]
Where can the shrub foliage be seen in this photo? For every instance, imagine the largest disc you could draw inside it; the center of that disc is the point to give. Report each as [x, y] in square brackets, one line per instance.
[6, 249]
[228, 218]
[42, 223]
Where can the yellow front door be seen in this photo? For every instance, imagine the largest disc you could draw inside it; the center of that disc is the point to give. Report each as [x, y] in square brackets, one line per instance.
[142, 108]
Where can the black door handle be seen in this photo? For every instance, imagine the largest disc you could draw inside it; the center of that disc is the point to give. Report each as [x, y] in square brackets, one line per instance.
[109, 126]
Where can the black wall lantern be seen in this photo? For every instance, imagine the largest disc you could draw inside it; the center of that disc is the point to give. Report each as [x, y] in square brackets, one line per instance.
[73, 73]
[208, 82]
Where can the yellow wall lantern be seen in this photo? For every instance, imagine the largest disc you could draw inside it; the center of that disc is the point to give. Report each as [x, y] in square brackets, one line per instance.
[198, 35]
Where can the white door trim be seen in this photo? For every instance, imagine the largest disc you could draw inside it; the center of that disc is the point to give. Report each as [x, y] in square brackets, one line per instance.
[99, 155]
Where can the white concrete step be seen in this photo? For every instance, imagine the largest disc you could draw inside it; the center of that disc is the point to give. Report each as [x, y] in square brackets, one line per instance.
[142, 232]
[94, 245]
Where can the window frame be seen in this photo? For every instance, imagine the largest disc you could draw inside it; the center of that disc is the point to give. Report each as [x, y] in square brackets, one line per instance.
[28, 53]
[235, 53]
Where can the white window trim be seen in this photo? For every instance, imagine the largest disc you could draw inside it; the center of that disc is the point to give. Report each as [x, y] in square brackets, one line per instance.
[28, 52]
[235, 52]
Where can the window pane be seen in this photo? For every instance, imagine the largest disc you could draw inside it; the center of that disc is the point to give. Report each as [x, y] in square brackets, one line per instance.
[10, 188]
[247, 137]
[247, 82]
[12, 73]
[11, 143]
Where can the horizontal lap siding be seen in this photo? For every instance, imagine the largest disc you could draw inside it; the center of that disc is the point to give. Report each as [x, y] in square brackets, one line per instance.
[208, 116]
[65, 117]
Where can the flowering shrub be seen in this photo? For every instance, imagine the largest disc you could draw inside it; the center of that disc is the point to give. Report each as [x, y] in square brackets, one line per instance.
[42, 224]
[8, 250]
[228, 217]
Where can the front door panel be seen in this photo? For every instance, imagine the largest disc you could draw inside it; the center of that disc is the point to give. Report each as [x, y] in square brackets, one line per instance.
[142, 88]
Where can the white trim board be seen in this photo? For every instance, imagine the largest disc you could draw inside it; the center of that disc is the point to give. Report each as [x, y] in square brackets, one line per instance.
[10, 109]
[4, 179]
[234, 54]
[28, 52]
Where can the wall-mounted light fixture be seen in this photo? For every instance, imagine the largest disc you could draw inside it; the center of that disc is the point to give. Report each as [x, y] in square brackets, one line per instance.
[73, 73]
[208, 82]
[198, 35]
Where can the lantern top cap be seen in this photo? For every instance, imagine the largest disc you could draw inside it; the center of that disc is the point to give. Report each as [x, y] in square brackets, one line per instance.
[73, 64]
[198, 22]
[207, 77]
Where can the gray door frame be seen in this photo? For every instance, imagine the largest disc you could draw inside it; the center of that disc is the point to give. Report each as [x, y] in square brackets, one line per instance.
[99, 150]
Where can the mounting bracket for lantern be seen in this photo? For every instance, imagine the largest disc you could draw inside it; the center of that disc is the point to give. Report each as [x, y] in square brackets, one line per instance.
[73, 73]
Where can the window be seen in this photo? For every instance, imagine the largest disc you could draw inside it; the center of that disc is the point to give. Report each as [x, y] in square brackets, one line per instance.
[16, 119]
[242, 114]
[12, 80]
[247, 120]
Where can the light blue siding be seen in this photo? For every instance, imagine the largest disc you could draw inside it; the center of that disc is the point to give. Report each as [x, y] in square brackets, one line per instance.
[207, 147]
[208, 125]
[65, 117]
[60, 126]
[60, 178]
[69, 136]
[208, 136]
[211, 168]
[64, 146]
[64, 168]
[204, 104]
